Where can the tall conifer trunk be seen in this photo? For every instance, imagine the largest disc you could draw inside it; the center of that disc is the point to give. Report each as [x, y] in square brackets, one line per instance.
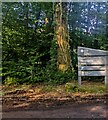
[62, 37]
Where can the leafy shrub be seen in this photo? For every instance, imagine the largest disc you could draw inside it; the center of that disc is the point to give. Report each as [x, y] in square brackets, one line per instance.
[10, 81]
[51, 76]
[71, 87]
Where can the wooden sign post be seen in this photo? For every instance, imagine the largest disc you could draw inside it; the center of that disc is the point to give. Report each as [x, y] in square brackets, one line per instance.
[106, 77]
[92, 62]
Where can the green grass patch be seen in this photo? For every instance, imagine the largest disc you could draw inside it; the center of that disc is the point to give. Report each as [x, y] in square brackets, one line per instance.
[86, 88]
[72, 87]
[48, 88]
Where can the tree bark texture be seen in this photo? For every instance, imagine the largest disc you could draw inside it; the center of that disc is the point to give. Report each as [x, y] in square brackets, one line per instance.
[62, 37]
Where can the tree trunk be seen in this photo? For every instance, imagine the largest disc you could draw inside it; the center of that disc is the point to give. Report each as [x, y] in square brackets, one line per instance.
[62, 37]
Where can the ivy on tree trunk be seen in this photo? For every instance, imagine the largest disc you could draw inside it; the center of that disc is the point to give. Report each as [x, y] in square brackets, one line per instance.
[62, 37]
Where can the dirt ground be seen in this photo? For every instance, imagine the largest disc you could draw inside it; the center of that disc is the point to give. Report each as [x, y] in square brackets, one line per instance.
[88, 110]
[29, 104]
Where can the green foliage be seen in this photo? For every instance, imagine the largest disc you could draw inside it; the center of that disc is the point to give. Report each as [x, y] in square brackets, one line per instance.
[53, 54]
[69, 87]
[10, 81]
[26, 49]
[29, 48]
[60, 77]
[50, 76]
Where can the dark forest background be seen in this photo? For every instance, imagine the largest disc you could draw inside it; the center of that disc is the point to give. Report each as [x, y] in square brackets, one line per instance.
[29, 53]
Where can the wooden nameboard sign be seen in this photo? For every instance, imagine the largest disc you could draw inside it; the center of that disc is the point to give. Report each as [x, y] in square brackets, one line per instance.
[92, 62]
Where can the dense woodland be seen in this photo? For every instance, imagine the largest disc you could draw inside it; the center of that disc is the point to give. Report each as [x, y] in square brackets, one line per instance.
[40, 40]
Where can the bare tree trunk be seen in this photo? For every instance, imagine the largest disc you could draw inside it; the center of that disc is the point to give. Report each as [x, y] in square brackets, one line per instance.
[62, 37]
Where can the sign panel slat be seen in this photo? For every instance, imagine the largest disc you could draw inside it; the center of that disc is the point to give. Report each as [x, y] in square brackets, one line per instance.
[92, 73]
[91, 60]
[85, 68]
[83, 51]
